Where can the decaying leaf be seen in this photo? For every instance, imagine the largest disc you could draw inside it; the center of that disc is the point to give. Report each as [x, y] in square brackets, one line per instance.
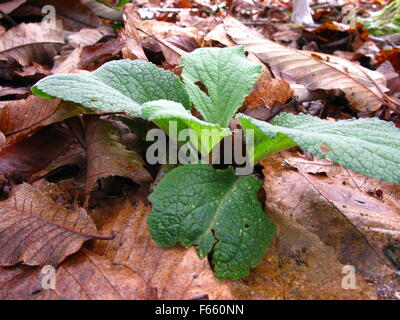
[363, 88]
[325, 223]
[82, 276]
[131, 36]
[9, 6]
[29, 42]
[87, 276]
[107, 156]
[177, 273]
[268, 91]
[21, 117]
[19, 282]
[89, 36]
[36, 231]
[96, 55]
[20, 160]
[102, 10]
[73, 13]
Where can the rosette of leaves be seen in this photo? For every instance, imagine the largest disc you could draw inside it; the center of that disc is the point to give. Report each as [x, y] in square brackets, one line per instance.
[196, 204]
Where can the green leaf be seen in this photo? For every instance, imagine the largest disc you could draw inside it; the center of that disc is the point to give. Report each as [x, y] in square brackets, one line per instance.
[369, 146]
[227, 76]
[162, 112]
[121, 85]
[214, 210]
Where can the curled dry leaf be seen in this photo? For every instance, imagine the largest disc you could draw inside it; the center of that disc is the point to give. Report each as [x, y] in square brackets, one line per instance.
[87, 276]
[19, 282]
[177, 273]
[7, 91]
[129, 34]
[82, 276]
[73, 13]
[68, 63]
[107, 156]
[268, 91]
[362, 87]
[35, 71]
[9, 6]
[19, 118]
[102, 10]
[2, 140]
[96, 55]
[29, 42]
[89, 36]
[32, 154]
[34, 230]
[326, 222]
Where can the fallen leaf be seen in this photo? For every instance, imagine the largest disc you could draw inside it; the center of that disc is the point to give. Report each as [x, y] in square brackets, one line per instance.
[329, 222]
[268, 92]
[36, 231]
[363, 88]
[68, 63]
[7, 91]
[107, 156]
[87, 276]
[89, 36]
[73, 13]
[18, 118]
[22, 159]
[35, 71]
[29, 42]
[96, 55]
[19, 282]
[177, 273]
[82, 276]
[131, 36]
[9, 6]
[102, 10]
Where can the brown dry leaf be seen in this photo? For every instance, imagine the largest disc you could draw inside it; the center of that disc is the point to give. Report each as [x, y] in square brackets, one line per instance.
[7, 91]
[73, 13]
[82, 276]
[325, 222]
[19, 282]
[96, 55]
[219, 34]
[19, 118]
[107, 156]
[36, 71]
[29, 42]
[68, 63]
[103, 11]
[363, 88]
[2, 140]
[10, 6]
[87, 276]
[268, 92]
[24, 158]
[177, 273]
[129, 34]
[34, 230]
[89, 36]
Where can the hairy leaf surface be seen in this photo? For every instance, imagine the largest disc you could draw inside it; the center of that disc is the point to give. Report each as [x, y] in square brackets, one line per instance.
[369, 146]
[122, 85]
[162, 112]
[227, 76]
[214, 210]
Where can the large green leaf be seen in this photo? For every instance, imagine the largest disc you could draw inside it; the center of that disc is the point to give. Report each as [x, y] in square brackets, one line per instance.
[215, 210]
[369, 146]
[163, 112]
[121, 85]
[227, 76]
